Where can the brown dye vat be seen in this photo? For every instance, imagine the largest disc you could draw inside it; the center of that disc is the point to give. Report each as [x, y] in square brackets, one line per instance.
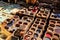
[22, 11]
[43, 21]
[57, 26]
[56, 35]
[58, 22]
[33, 29]
[41, 11]
[25, 23]
[11, 31]
[52, 25]
[8, 20]
[53, 22]
[54, 39]
[28, 20]
[31, 14]
[51, 29]
[6, 27]
[34, 25]
[52, 15]
[39, 14]
[24, 18]
[40, 27]
[17, 25]
[20, 22]
[37, 22]
[38, 19]
[44, 14]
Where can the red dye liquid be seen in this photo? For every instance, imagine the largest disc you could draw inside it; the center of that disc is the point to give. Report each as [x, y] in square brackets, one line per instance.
[48, 35]
[34, 10]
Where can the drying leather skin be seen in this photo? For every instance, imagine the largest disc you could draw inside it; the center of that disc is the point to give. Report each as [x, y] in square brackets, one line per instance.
[31, 1]
[27, 1]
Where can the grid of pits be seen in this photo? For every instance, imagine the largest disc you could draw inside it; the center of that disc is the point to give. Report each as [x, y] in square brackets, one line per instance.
[22, 24]
[15, 18]
[25, 23]
[36, 30]
[44, 13]
[55, 15]
[30, 11]
[28, 19]
[53, 31]
[10, 23]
